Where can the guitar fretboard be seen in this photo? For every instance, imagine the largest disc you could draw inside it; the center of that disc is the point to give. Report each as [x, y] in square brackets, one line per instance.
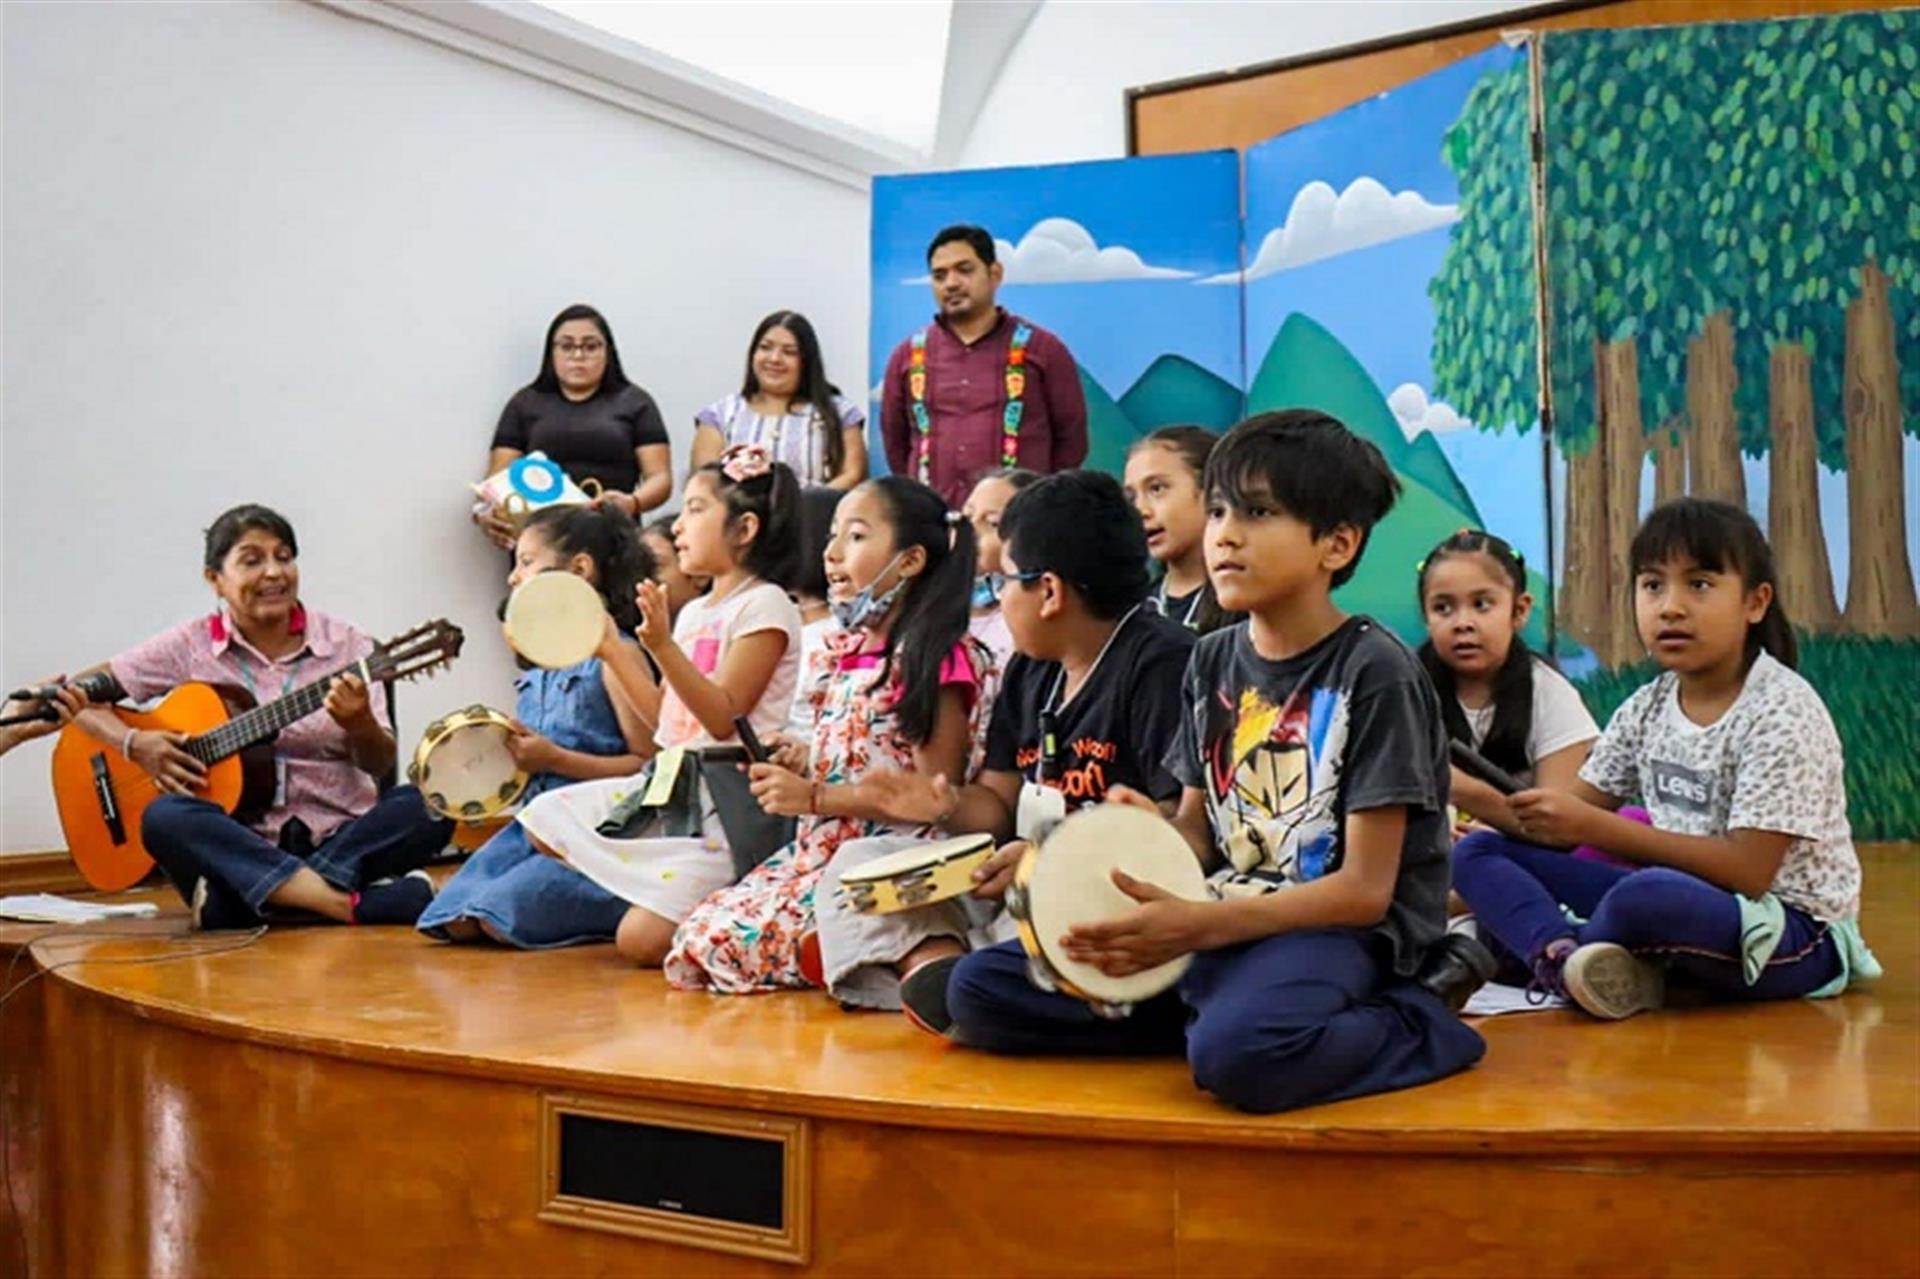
[262, 722]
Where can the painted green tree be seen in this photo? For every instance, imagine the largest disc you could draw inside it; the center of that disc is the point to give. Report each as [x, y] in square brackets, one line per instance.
[1684, 166]
[1484, 297]
[1811, 215]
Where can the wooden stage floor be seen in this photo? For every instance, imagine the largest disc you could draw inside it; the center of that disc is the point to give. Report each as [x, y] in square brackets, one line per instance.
[1807, 1091]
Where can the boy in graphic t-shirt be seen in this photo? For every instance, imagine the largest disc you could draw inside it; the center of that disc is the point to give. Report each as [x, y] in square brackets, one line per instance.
[1094, 673]
[1314, 775]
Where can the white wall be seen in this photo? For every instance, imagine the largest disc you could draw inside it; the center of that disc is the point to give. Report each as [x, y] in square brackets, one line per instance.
[1061, 94]
[265, 252]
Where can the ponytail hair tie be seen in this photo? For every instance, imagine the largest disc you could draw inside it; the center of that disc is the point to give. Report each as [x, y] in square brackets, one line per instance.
[954, 518]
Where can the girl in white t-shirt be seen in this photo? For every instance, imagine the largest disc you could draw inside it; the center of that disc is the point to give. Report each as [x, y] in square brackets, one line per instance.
[733, 651]
[1746, 884]
[1496, 695]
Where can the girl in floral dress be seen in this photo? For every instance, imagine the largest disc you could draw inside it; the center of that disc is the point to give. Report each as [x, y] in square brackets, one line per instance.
[907, 690]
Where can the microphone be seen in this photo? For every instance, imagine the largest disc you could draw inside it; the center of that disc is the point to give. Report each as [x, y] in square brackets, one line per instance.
[100, 686]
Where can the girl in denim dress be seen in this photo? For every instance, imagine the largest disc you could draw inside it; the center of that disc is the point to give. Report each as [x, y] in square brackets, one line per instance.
[569, 728]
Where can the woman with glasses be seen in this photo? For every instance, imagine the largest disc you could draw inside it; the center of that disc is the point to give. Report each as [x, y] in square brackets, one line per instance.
[787, 406]
[583, 414]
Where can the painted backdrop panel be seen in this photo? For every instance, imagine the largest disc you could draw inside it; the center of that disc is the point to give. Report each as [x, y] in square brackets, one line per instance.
[1734, 224]
[1357, 218]
[1108, 256]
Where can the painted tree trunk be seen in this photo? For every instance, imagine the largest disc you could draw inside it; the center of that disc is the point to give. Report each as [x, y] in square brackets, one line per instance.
[1625, 436]
[1669, 445]
[1880, 592]
[1714, 451]
[1582, 594]
[1793, 502]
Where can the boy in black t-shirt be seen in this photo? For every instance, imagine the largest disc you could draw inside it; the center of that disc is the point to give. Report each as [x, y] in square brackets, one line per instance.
[1314, 775]
[1091, 665]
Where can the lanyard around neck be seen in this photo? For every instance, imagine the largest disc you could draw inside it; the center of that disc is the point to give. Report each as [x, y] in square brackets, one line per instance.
[1162, 598]
[286, 682]
[1051, 707]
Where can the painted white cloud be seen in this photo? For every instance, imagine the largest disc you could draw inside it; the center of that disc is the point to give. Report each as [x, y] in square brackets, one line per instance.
[1321, 224]
[1061, 251]
[1417, 413]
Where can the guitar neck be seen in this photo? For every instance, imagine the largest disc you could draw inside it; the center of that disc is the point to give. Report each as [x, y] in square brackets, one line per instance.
[251, 727]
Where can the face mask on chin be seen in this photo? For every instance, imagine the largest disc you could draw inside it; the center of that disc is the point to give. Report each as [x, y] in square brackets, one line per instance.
[866, 608]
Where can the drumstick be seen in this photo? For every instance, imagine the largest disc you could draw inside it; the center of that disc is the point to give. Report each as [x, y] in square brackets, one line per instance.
[1474, 764]
[743, 729]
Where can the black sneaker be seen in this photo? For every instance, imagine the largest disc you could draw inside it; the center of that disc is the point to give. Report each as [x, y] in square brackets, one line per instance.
[923, 995]
[1457, 966]
[217, 908]
[394, 901]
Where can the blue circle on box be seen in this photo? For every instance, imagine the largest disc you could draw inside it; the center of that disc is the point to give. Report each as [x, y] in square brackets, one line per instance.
[536, 478]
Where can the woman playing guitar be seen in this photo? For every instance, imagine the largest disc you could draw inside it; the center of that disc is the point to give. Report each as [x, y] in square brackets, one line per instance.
[327, 843]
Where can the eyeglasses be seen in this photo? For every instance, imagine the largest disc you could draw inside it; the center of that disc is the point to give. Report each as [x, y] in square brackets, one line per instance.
[998, 581]
[589, 348]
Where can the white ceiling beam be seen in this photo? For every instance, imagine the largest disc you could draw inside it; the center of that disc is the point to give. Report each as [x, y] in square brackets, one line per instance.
[981, 34]
[535, 41]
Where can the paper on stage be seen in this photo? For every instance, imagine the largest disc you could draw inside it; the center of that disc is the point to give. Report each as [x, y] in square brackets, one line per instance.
[1493, 999]
[45, 908]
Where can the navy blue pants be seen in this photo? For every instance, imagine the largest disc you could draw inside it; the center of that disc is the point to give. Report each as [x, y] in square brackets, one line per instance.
[193, 839]
[1516, 890]
[1289, 1021]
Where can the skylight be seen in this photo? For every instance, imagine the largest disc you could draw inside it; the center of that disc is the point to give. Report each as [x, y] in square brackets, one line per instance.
[876, 67]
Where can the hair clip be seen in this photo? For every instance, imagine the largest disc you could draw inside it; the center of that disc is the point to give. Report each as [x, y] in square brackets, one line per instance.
[1421, 567]
[954, 518]
[743, 462]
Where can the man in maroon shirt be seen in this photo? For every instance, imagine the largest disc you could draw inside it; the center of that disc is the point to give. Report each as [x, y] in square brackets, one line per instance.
[979, 389]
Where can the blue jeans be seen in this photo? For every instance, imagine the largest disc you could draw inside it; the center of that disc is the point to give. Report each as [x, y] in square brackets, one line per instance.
[193, 839]
[1288, 1021]
[1517, 890]
[525, 898]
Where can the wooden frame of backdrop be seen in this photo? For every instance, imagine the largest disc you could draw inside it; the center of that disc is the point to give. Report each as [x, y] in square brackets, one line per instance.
[1245, 105]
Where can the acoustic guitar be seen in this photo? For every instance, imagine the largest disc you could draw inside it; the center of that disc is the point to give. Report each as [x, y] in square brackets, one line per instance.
[102, 795]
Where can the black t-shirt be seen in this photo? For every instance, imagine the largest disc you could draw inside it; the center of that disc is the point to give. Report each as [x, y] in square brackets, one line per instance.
[1285, 750]
[1180, 608]
[1115, 731]
[591, 439]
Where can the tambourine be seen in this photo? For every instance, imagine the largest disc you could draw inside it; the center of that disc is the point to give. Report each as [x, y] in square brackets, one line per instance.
[1067, 879]
[531, 483]
[555, 619]
[917, 876]
[463, 767]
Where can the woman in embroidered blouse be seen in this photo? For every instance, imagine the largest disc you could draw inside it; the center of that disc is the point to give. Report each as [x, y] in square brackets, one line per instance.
[787, 406]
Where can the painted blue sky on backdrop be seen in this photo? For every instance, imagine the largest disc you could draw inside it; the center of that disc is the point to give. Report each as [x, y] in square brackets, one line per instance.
[1375, 299]
[1175, 213]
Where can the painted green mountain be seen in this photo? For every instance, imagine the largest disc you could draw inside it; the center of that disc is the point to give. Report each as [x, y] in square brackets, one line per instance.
[1307, 367]
[1110, 433]
[1176, 390]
